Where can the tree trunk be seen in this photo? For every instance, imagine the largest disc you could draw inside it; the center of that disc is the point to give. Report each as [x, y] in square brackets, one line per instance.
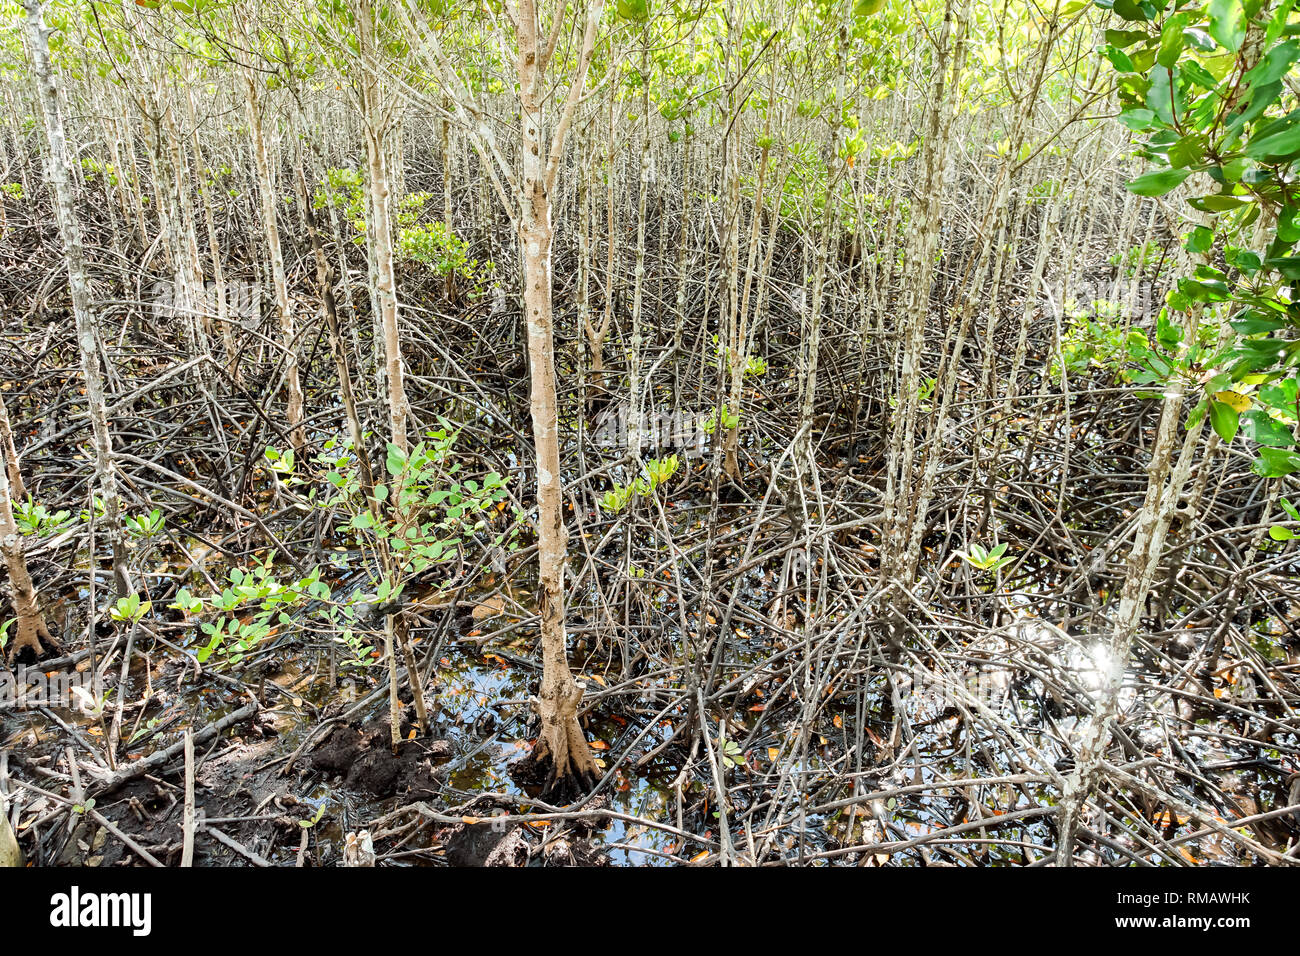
[899, 503]
[10, 853]
[561, 743]
[266, 192]
[79, 287]
[380, 227]
[16, 487]
[32, 633]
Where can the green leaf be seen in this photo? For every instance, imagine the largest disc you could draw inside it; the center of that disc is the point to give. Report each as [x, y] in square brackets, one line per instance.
[634, 9]
[1133, 11]
[1119, 60]
[1281, 396]
[1124, 38]
[1224, 420]
[1216, 203]
[396, 461]
[1228, 23]
[1260, 428]
[1162, 93]
[1137, 118]
[1199, 240]
[1288, 228]
[1243, 259]
[1188, 151]
[1275, 64]
[1158, 182]
[1289, 266]
[1260, 98]
[1252, 323]
[1171, 40]
[1274, 463]
[1198, 74]
[1275, 147]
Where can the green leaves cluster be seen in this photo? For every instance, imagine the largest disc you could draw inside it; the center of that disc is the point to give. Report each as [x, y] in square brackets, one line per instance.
[730, 420]
[420, 515]
[1092, 341]
[129, 609]
[436, 508]
[249, 608]
[1279, 532]
[986, 559]
[38, 521]
[430, 245]
[144, 526]
[1205, 84]
[435, 247]
[655, 473]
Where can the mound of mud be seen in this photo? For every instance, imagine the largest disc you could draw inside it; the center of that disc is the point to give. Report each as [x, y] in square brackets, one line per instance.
[364, 758]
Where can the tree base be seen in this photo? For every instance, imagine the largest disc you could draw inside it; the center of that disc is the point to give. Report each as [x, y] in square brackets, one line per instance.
[537, 771]
[560, 759]
[32, 640]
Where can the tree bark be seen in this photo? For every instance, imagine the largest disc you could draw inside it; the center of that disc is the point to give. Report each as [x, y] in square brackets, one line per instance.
[380, 227]
[79, 287]
[561, 743]
[284, 310]
[31, 631]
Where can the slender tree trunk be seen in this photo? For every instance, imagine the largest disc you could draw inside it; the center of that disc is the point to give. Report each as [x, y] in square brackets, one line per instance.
[206, 189]
[16, 487]
[742, 333]
[562, 742]
[283, 308]
[1165, 482]
[635, 425]
[729, 334]
[378, 127]
[59, 162]
[925, 225]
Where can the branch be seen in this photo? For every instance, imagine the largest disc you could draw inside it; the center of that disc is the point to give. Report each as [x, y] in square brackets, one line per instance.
[594, 10]
[552, 41]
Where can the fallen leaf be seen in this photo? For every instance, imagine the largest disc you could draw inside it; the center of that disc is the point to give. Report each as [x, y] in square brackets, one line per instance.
[491, 607]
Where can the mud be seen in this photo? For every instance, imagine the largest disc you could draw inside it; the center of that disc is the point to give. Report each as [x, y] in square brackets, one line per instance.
[362, 758]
